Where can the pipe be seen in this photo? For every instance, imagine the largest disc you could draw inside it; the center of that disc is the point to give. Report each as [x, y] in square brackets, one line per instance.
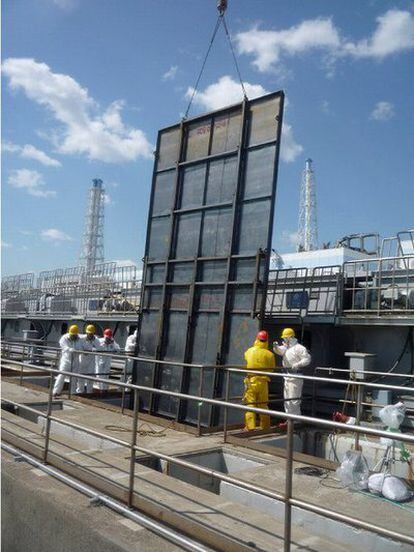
[172, 536]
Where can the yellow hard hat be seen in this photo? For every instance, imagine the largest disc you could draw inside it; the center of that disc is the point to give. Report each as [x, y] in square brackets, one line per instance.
[288, 332]
[90, 329]
[73, 330]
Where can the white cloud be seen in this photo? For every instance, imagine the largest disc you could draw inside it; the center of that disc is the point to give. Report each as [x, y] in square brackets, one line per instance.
[84, 129]
[31, 181]
[55, 235]
[227, 91]
[30, 152]
[5, 245]
[383, 111]
[10, 148]
[108, 199]
[289, 148]
[23, 248]
[290, 238]
[267, 47]
[66, 5]
[171, 73]
[394, 34]
[326, 107]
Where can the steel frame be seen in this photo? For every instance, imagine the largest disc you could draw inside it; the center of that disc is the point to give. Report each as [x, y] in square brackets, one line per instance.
[166, 286]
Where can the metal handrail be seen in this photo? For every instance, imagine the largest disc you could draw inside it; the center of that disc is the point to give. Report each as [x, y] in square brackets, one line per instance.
[276, 413]
[379, 259]
[287, 498]
[242, 369]
[364, 372]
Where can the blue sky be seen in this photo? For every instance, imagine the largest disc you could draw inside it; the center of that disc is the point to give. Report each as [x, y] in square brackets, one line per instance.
[87, 84]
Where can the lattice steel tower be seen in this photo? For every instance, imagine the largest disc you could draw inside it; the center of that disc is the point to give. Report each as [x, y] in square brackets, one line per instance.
[308, 225]
[92, 252]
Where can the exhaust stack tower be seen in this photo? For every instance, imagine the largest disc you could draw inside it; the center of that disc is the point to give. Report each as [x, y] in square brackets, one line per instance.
[92, 252]
[308, 226]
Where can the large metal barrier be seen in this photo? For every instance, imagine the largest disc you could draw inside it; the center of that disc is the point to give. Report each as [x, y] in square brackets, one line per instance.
[286, 496]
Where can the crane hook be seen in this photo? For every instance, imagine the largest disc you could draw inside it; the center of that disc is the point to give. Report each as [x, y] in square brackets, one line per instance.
[222, 6]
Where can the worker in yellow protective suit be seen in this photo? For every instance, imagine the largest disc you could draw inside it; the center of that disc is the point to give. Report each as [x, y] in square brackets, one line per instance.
[256, 391]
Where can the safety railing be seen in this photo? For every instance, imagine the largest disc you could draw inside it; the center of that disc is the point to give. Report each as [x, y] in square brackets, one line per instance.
[303, 291]
[286, 497]
[380, 287]
[400, 244]
[17, 282]
[115, 293]
[123, 363]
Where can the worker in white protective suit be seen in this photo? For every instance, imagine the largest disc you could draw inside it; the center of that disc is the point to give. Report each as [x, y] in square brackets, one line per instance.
[130, 346]
[103, 362]
[69, 359]
[87, 361]
[295, 358]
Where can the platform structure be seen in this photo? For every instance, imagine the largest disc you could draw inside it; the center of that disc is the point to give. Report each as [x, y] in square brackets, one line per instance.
[214, 488]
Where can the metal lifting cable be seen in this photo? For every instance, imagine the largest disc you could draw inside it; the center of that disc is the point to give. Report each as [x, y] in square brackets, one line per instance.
[234, 57]
[221, 6]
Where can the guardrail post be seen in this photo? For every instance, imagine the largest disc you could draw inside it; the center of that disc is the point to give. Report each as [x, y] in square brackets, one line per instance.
[200, 402]
[226, 413]
[48, 421]
[133, 443]
[124, 378]
[358, 414]
[21, 372]
[288, 487]
[71, 371]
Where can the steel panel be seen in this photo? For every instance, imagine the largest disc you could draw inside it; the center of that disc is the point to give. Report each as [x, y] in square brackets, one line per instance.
[209, 231]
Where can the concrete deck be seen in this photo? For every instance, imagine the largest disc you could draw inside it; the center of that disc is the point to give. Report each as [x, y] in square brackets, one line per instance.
[233, 520]
[42, 514]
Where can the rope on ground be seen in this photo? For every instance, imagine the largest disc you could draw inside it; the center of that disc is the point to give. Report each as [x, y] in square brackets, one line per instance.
[150, 432]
